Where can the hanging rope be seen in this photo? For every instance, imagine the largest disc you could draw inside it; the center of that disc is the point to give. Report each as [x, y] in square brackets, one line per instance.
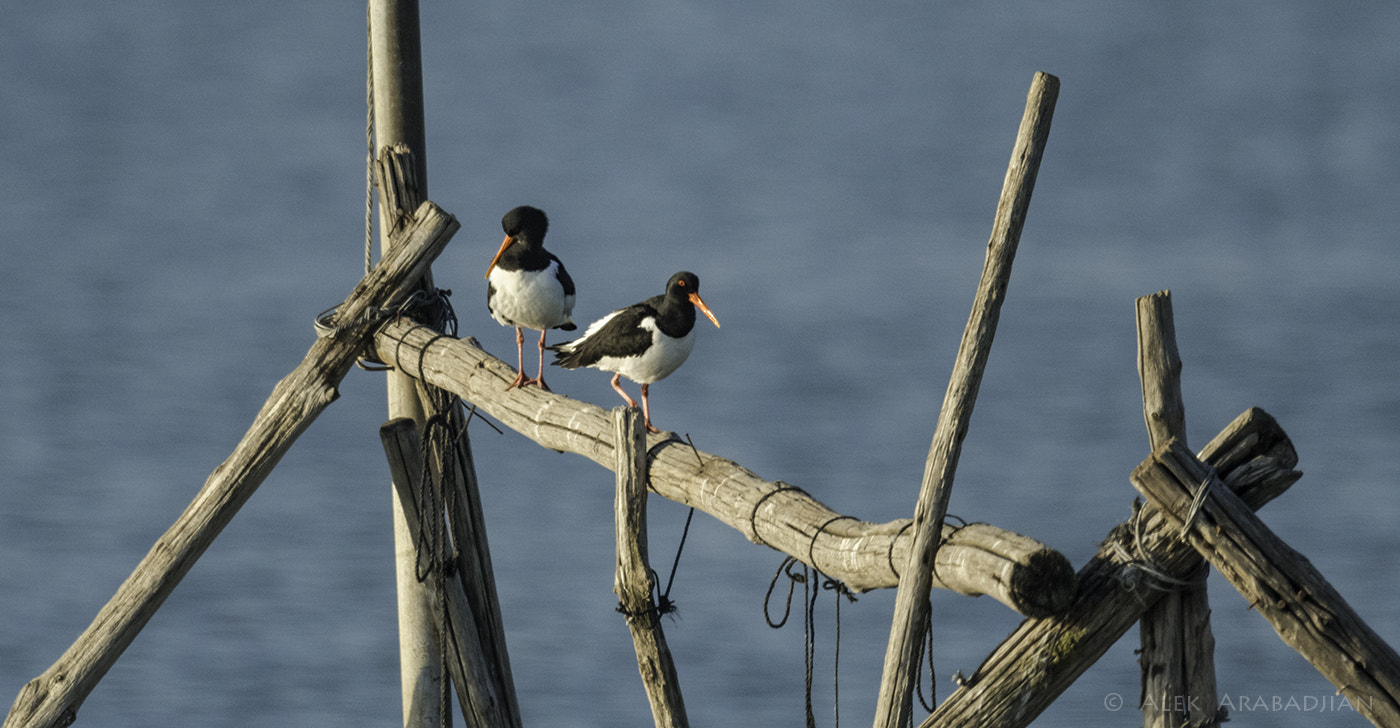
[369, 141]
[664, 605]
[812, 583]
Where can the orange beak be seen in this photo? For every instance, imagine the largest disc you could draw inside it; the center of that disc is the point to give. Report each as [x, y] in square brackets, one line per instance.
[695, 299]
[504, 244]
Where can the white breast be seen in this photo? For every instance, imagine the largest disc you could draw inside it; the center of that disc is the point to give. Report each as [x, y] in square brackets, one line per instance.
[530, 299]
[665, 355]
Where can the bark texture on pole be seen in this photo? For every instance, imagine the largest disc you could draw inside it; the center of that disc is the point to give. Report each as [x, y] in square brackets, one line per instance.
[633, 580]
[911, 608]
[1177, 655]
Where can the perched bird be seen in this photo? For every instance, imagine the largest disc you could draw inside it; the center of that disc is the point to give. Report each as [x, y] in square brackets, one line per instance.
[529, 288]
[644, 342]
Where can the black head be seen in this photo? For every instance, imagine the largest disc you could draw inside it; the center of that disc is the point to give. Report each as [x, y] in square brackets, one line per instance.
[683, 284]
[686, 286]
[525, 222]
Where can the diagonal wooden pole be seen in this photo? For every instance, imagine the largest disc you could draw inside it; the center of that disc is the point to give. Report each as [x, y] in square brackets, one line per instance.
[911, 609]
[53, 698]
[1280, 584]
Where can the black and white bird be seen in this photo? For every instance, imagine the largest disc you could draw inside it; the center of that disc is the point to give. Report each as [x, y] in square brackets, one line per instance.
[644, 342]
[529, 288]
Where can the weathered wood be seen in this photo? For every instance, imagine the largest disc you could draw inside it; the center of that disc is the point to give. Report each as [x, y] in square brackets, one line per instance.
[468, 525]
[482, 701]
[1043, 657]
[911, 607]
[396, 75]
[633, 580]
[978, 559]
[53, 698]
[1177, 655]
[1280, 583]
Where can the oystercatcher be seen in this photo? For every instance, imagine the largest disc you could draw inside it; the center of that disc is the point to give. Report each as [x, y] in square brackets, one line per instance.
[644, 342]
[529, 288]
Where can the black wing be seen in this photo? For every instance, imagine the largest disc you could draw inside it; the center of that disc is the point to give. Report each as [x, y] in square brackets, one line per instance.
[622, 335]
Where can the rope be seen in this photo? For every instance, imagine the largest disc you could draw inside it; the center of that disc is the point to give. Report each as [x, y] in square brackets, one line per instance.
[369, 141]
[753, 514]
[925, 639]
[663, 602]
[441, 453]
[812, 584]
[1139, 563]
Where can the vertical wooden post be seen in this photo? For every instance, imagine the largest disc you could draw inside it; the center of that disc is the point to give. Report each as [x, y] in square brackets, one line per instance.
[397, 70]
[911, 609]
[1177, 656]
[484, 688]
[633, 582]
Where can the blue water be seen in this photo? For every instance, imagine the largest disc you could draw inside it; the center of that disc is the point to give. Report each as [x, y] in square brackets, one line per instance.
[182, 190]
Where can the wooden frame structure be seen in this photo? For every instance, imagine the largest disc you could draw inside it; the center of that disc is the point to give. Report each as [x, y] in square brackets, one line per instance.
[1200, 509]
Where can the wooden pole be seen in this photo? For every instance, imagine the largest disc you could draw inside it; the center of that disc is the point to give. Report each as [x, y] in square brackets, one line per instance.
[396, 67]
[1026, 575]
[484, 701]
[633, 580]
[1043, 657]
[1177, 655]
[53, 698]
[1280, 583]
[911, 608]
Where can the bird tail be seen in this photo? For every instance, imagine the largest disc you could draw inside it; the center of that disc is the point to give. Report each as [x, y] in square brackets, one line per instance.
[565, 354]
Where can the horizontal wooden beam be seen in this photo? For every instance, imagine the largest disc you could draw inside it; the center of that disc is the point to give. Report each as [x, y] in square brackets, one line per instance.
[1017, 571]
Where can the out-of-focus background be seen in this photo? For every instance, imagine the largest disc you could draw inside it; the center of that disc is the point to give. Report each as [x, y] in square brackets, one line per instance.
[182, 190]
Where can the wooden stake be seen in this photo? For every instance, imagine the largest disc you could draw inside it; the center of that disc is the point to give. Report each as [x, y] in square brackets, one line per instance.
[633, 581]
[1280, 583]
[1026, 575]
[53, 698]
[911, 608]
[1043, 657]
[483, 699]
[1177, 655]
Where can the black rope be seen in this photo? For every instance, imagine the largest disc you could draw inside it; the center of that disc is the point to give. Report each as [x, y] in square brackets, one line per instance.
[812, 584]
[753, 514]
[444, 456]
[664, 605]
[925, 640]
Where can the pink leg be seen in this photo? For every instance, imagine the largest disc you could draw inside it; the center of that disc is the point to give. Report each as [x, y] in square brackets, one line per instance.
[617, 385]
[539, 376]
[646, 409]
[520, 379]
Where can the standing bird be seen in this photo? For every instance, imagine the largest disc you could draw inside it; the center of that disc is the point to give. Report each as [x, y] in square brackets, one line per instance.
[644, 342]
[529, 288]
